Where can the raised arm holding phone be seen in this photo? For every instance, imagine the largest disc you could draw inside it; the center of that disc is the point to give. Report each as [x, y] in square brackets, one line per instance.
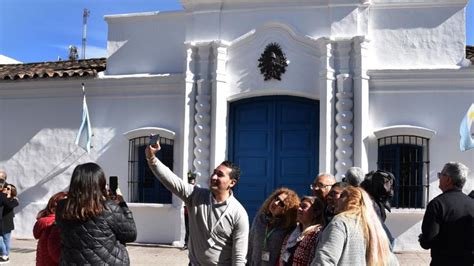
[218, 223]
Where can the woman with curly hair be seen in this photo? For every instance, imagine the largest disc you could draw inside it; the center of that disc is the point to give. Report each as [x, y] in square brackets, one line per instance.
[275, 219]
[94, 229]
[355, 235]
[298, 247]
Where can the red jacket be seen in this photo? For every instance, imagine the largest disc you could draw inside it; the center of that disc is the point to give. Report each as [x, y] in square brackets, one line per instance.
[49, 241]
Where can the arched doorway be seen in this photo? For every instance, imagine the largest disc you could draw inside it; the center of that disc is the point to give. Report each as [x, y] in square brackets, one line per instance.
[275, 141]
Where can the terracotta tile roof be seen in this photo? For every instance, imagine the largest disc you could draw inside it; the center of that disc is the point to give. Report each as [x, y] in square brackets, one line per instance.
[58, 69]
[470, 53]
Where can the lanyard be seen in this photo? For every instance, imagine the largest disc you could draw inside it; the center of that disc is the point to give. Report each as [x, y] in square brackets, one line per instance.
[267, 236]
[221, 217]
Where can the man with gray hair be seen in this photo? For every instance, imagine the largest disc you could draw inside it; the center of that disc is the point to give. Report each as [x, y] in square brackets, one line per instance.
[322, 185]
[354, 176]
[447, 227]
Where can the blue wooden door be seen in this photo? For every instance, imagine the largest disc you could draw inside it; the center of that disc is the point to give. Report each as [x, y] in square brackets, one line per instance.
[275, 141]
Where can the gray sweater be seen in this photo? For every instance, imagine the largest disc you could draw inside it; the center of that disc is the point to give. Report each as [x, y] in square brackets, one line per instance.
[225, 223]
[341, 243]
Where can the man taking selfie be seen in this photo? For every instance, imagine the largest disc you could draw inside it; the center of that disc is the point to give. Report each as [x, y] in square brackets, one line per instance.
[218, 223]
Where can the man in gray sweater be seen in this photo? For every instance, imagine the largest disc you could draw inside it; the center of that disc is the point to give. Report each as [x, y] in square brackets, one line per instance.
[218, 223]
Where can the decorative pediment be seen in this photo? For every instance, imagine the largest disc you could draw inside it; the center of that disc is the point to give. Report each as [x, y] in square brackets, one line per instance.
[284, 35]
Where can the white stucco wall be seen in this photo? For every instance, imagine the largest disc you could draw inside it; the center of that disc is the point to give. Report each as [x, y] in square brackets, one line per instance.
[437, 100]
[420, 34]
[146, 43]
[40, 157]
[417, 34]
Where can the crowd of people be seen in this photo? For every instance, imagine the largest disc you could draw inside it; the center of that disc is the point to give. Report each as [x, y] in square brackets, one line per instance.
[87, 225]
[341, 223]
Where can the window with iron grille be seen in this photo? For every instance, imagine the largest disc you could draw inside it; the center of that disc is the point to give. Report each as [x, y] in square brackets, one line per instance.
[143, 186]
[407, 157]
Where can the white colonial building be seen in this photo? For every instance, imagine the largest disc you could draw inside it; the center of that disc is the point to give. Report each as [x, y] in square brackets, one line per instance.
[285, 88]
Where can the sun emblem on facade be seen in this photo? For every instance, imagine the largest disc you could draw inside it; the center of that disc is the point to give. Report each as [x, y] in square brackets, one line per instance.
[272, 62]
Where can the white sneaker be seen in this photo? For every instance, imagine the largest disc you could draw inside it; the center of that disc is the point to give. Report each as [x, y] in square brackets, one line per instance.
[4, 259]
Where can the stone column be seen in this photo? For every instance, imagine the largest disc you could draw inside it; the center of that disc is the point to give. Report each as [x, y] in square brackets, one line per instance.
[219, 91]
[344, 126]
[188, 103]
[202, 117]
[326, 122]
[360, 58]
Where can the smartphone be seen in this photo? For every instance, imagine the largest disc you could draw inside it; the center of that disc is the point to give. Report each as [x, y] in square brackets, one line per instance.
[154, 139]
[113, 184]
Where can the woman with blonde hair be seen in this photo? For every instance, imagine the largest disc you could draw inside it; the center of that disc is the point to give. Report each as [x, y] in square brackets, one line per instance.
[355, 235]
[298, 247]
[275, 219]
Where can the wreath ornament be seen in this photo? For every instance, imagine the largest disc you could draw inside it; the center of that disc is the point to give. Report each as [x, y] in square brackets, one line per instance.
[272, 62]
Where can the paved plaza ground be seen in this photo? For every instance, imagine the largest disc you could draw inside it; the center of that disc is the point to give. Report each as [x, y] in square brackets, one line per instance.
[24, 251]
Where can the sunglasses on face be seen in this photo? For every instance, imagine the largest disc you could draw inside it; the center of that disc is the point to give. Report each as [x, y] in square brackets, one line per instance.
[280, 202]
[7, 188]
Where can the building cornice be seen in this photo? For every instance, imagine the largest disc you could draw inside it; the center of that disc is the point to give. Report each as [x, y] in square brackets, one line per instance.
[426, 80]
[171, 84]
[417, 3]
[144, 15]
[198, 6]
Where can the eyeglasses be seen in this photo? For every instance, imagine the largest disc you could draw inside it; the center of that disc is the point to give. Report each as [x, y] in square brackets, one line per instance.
[318, 185]
[7, 188]
[279, 201]
[441, 175]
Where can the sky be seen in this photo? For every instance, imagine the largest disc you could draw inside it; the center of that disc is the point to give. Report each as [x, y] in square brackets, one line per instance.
[42, 30]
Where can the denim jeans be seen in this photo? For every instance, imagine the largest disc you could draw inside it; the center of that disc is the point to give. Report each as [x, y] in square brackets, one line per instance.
[5, 244]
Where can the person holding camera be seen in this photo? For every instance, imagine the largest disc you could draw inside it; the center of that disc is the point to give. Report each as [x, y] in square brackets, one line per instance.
[218, 223]
[8, 201]
[94, 229]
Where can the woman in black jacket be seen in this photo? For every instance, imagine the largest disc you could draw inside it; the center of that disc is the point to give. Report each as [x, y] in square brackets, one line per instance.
[94, 230]
[8, 202]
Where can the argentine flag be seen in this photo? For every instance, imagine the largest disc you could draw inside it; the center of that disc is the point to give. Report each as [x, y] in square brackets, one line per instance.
[84, 136]
[467, 142]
